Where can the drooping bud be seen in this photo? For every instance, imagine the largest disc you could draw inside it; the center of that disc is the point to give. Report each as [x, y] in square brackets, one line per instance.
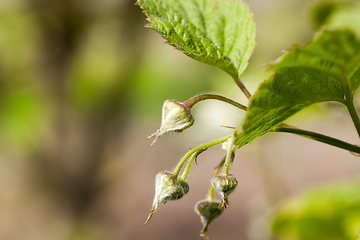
[208, 210]
[224, 184]
[175, 118]
[167, 188]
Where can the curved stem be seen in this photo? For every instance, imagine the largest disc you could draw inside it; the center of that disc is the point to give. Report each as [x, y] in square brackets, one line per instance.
[352, 111]
[188, 165]
[201, 148]
[242, 87]
[192, 101]
[349, 103]
[318, 137]
[210, 195]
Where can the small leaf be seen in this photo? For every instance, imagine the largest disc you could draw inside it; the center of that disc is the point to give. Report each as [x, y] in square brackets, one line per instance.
[220, 33]
[326, 69]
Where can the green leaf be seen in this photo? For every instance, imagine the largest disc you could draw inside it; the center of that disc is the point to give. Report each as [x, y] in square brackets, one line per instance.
[220, 33]
[326, 69]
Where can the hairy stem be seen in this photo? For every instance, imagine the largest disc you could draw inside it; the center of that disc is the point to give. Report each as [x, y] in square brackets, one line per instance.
[192, 101]
[242, 87]
[318, 137]
[200, 148]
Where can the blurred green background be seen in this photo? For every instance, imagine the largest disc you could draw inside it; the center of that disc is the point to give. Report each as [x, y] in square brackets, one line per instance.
[82, 83]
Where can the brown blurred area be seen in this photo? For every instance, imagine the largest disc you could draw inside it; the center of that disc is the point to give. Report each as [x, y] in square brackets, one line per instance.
[81, 87]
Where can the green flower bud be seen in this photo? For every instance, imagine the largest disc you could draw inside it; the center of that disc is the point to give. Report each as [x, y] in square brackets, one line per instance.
[175, 118]
[208, 210]
[224, 184]
[167, 188]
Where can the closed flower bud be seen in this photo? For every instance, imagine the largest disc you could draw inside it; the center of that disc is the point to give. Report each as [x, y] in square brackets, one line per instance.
[175, 118]
[224, 184]
[208, 210]
[167, 188]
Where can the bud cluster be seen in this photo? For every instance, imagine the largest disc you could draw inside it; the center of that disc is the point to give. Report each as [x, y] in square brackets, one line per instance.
[176, 117]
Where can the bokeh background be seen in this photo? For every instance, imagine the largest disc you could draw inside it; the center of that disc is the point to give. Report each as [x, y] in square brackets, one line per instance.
[82, 84]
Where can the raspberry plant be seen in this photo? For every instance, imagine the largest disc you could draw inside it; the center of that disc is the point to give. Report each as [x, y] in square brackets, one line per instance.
[221, 33]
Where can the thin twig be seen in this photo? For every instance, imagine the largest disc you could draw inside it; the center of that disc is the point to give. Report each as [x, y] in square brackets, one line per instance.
[242, 87]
